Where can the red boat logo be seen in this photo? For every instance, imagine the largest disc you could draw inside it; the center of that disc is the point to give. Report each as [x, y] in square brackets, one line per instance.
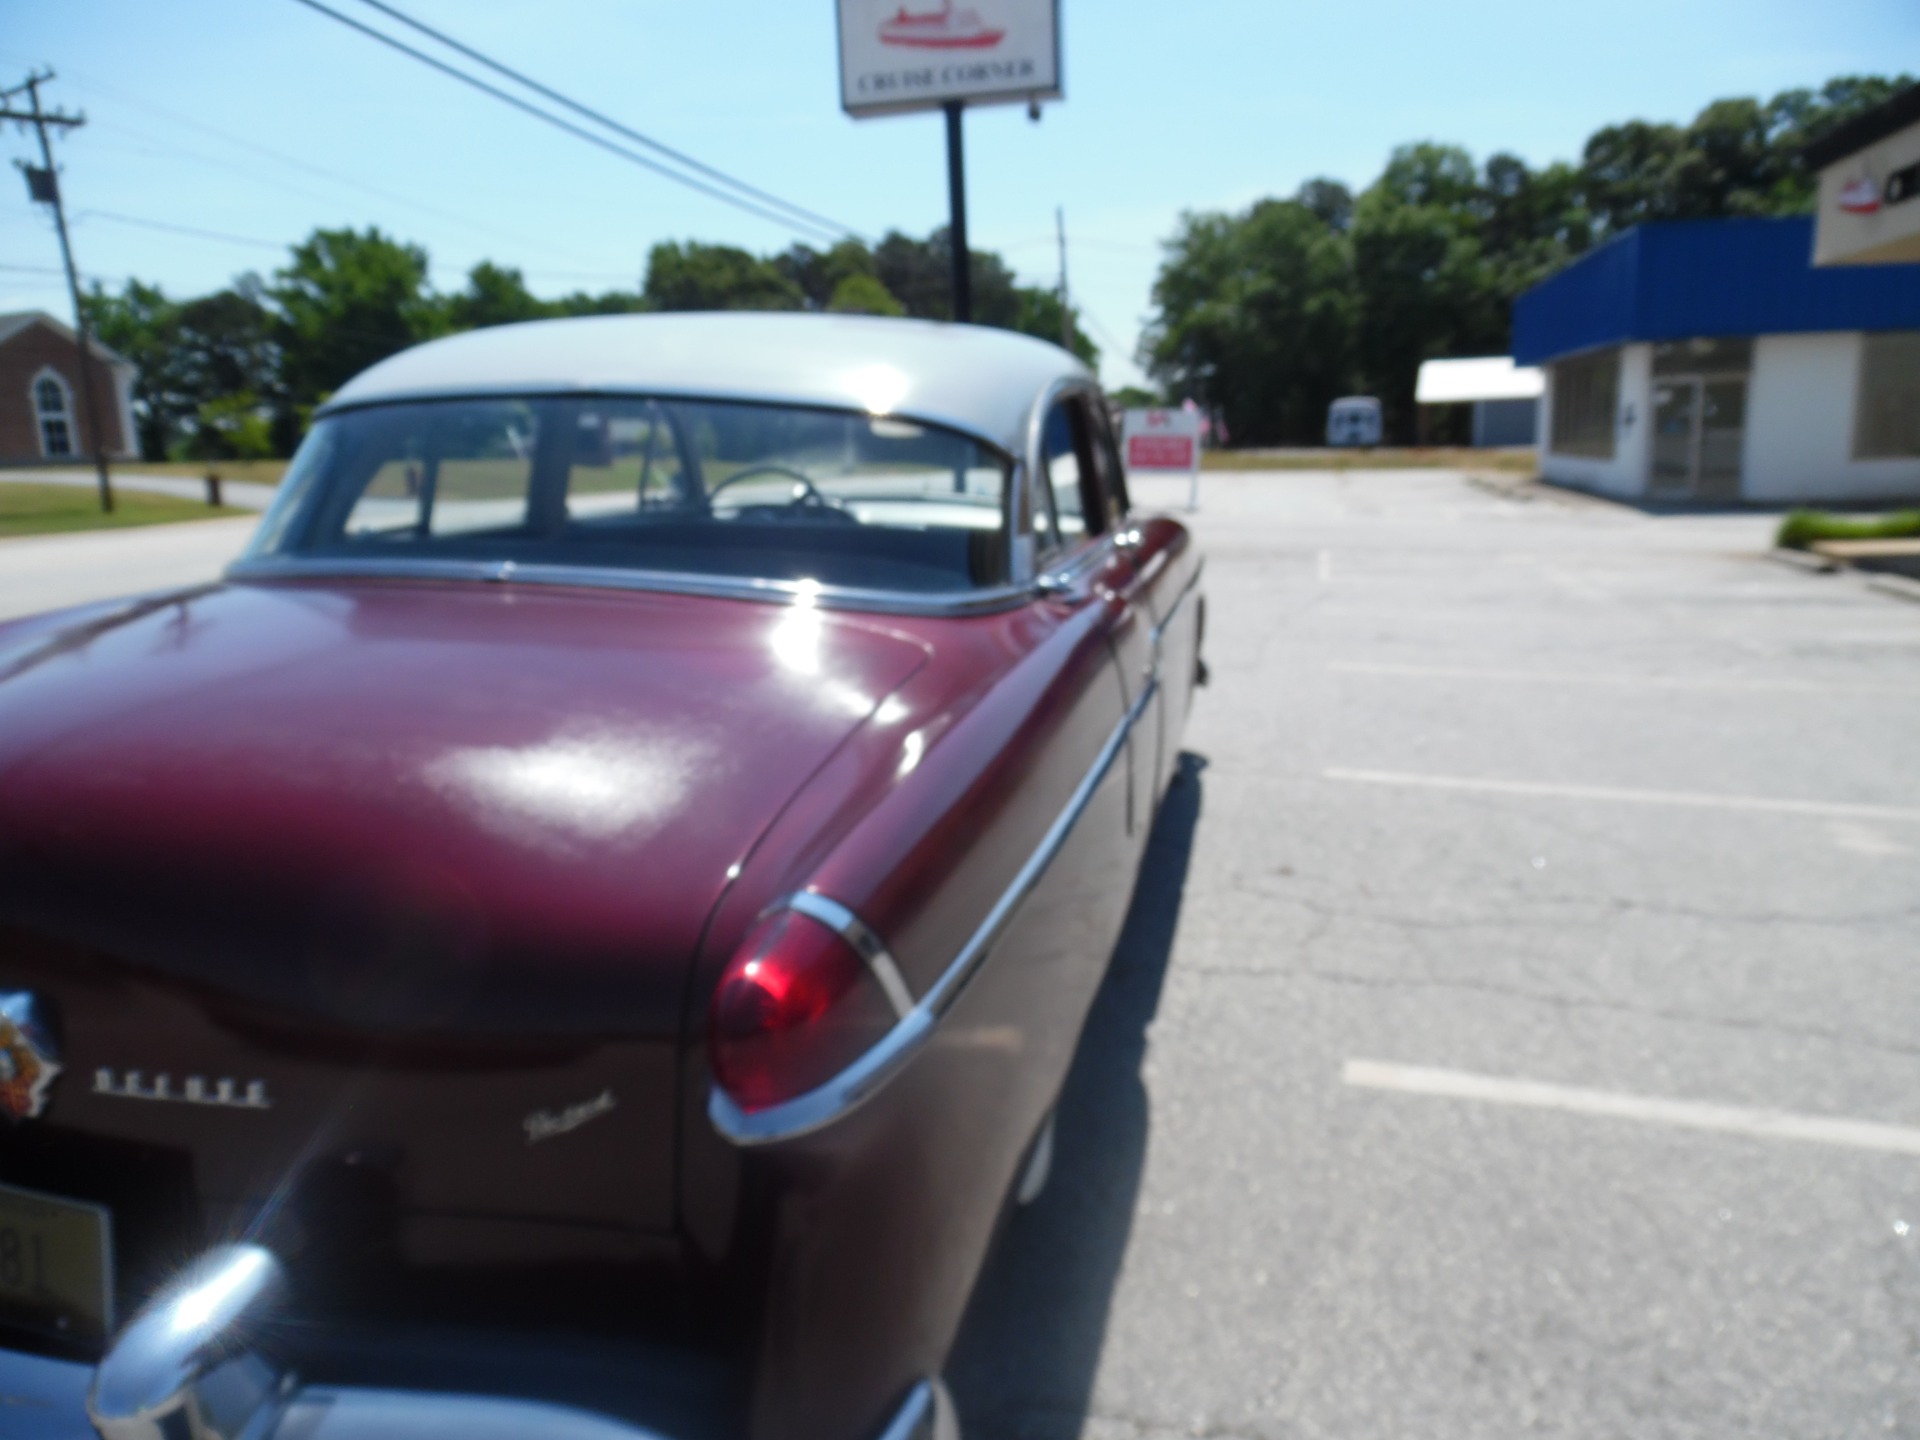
[1860, 196]
[942, 29]
[27, 1065]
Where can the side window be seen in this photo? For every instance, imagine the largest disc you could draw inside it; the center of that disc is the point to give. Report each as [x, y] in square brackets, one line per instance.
[623, 459]
[1074, 476]
[466, 469]
[1113, 478]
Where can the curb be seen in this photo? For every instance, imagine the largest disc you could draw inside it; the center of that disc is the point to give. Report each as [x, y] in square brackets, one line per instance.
[1803, 560]
[1898, 586]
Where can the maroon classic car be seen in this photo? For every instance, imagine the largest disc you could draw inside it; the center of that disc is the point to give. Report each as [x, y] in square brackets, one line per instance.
[581, 933]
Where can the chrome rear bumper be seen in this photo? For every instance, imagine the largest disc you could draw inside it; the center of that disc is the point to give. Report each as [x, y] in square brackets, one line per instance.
[185, 1369]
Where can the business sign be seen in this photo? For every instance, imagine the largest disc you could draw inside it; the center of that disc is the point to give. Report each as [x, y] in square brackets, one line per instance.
[1869, 205]
[900, 55]
[1162, 439]
[1165, 440]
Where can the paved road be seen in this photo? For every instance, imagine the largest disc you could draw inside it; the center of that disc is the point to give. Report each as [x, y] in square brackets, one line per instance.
[1531, 857]
[1531, 860]
[44, 572]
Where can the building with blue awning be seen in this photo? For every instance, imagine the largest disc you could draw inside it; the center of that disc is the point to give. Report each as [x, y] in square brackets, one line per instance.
[1709, 360]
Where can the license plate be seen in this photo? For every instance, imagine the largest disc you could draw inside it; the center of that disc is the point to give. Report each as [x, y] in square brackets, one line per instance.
[56, 1265]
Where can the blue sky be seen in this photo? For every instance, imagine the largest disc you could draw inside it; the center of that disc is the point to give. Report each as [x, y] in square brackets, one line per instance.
[196, 110]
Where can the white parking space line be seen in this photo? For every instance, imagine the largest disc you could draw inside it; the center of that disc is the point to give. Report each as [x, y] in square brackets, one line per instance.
[1647, 1110]
[1574, 677]
[1608, 794]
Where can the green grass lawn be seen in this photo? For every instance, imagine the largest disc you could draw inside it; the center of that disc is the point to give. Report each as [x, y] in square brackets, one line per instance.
[1438, 457]
[51, 509]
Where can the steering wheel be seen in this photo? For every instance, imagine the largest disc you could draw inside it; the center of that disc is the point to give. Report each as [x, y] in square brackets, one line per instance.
[809, 492]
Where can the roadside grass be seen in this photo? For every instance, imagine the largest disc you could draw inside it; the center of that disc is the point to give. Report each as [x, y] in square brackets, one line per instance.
[1519, 460]
[1802, 528]
[53, 509]
[253, 472]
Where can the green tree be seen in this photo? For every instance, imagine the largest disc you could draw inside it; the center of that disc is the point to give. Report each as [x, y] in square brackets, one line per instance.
[494, 295]
[1328, 199]
[863, 295]
[819, 274]
[691, 275]
[1426, 286]
[1039, 316]
[347, 299]
[610, 302]
[919, 273]
[1255, 318]
[142, 324]
[232, 427]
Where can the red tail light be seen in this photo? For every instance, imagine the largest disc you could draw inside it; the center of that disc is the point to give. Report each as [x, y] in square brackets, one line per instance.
[794, 1008]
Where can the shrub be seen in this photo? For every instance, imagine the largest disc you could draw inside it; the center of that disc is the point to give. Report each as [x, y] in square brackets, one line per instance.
[1801, 528]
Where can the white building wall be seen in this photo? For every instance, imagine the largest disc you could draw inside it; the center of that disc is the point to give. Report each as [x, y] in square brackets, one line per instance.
[1800, 418]
[1626, 473]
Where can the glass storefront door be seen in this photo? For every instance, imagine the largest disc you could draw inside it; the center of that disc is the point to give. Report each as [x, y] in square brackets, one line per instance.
[1676, 417]
[1699, 428]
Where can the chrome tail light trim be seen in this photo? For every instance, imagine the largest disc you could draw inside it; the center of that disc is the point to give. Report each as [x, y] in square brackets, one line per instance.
[860, 1081]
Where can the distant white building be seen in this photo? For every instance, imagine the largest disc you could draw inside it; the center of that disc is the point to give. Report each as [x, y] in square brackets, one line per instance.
[1709, 360]
[1505, 396]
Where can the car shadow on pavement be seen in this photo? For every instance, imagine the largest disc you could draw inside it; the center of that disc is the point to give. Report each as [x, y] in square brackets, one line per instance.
[1023, 1366]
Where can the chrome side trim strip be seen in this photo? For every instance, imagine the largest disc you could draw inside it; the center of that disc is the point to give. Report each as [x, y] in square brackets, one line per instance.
[591, 577]
[1193, 583]
[852, 929]
[944, 991]
[863, 1079]
[927, 1414]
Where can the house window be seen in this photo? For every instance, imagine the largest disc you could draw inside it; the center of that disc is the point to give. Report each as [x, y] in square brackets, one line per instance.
[1886, 424]
[1586, 392]
[55, 415]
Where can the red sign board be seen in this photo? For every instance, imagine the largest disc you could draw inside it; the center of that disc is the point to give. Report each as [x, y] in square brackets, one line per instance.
[1160, 452]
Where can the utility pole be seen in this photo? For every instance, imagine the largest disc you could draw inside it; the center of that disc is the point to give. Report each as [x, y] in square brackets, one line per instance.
[957, 203]
[1066, 314]
[43, 185]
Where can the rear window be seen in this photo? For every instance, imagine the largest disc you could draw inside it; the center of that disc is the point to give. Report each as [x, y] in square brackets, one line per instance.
[695, 487]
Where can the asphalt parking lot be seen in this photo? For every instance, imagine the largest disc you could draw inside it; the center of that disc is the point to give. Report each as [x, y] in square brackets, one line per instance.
[1517, 1031]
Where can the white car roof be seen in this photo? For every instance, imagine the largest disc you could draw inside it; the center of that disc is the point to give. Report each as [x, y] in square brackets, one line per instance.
[979, 380]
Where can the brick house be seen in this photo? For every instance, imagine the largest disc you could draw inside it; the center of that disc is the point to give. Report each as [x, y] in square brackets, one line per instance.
[42, 409]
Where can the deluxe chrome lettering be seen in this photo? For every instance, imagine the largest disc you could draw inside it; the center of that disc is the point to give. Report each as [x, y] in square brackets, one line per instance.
[224, 1093]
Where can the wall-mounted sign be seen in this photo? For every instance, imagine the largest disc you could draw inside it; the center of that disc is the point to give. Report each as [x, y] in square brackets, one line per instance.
[901, 55]
[1903, 184]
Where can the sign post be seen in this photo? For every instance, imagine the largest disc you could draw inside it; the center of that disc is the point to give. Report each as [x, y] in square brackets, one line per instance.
[1165, 440]
[895, 60]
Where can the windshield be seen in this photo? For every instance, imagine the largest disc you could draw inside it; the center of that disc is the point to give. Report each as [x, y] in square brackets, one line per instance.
[761, 492]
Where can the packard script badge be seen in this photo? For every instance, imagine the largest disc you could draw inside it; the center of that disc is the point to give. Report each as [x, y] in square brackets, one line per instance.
[27, 1063]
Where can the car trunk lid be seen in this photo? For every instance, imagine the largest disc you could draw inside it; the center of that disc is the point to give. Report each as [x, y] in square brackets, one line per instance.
[404, 876]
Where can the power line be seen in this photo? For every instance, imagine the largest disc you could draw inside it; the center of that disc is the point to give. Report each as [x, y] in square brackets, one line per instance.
[293, 162]
[189, 230]
[723, 196]
[681, 157]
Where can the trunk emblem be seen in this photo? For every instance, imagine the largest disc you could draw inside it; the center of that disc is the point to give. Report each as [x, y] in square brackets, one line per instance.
[544, 1124]
[194, 1090]
[27, 1055]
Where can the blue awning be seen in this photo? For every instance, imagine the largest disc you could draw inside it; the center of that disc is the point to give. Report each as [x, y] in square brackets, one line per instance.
[1688, 279]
